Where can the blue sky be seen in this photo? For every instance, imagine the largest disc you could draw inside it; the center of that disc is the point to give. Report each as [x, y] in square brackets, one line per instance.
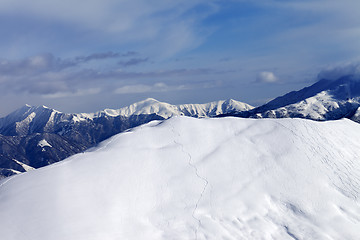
[89, 55]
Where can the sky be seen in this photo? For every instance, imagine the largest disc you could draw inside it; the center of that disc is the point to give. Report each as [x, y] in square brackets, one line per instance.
[85, 56]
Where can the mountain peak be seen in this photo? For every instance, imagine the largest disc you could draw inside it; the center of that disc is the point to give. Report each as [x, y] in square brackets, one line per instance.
[150, 100]
[31, 108]
[230, 101]
[147, 102]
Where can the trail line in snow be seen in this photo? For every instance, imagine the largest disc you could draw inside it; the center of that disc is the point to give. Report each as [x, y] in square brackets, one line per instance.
[206, 182]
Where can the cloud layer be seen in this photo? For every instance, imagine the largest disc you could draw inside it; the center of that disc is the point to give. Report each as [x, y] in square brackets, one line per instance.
[54, 77]
[336, 72]
[266, 77]
[142, 88]
[171, 26]
[197, 50]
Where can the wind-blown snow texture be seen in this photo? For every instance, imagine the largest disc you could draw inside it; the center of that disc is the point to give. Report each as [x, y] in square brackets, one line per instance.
[187, 178]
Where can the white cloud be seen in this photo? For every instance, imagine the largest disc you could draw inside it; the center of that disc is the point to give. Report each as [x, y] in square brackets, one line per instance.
[266, 77]
[142, 88]
[138, 88]
[78, 93]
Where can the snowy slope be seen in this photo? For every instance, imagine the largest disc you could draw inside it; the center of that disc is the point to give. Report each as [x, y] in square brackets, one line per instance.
[187, 178]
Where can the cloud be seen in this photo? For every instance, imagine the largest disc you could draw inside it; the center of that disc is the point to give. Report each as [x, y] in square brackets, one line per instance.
[33, 65]
[77, 93]
[132, 61]
[53, 77]
[168, 26]
[42, 63]
[120, 74]
[266, 77]
[336, 72]
[142, 88]
[103, 55]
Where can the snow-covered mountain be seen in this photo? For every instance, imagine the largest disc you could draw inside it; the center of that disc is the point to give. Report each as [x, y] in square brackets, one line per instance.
[324, 100]
[24, 132]
[187, 178]
[166, 110]
[28, 119]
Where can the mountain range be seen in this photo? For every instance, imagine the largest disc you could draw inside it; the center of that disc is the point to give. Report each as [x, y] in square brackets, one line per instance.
[33, 137]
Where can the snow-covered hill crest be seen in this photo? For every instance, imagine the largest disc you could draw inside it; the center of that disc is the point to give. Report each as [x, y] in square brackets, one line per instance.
[187, 178]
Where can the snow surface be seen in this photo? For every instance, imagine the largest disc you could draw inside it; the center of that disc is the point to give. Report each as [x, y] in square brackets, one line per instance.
[188, 178]
[43, 143]
[22, 127]
[24, 166]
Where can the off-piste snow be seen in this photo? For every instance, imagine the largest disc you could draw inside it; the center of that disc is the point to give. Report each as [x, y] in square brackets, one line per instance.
[187, 178]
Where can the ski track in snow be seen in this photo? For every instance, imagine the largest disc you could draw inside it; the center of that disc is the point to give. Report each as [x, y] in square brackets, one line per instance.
[193, 166]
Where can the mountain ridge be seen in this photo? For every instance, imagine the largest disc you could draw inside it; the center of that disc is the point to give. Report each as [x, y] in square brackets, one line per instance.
[70, 133]
[323, 100]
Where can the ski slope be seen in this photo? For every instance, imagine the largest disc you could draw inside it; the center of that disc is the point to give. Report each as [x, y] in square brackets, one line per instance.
[187, 178]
